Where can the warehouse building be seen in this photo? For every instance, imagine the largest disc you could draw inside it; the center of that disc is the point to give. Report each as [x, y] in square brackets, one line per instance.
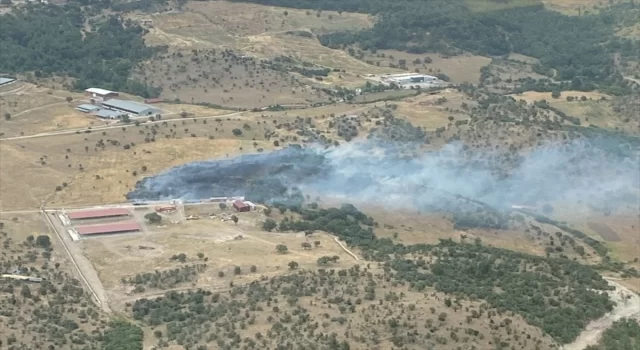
[100, 94]
[119, 227]
[407, 80]
[98, 213]
[107, 114]
[130, 107]
[6, 81]
[87, 108]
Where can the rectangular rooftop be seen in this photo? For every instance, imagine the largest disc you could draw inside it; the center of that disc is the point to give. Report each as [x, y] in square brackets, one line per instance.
[98, 213]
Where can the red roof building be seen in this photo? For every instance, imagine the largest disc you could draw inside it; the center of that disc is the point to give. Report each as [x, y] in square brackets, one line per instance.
[119, 227]
[241, 206]
[98, 213]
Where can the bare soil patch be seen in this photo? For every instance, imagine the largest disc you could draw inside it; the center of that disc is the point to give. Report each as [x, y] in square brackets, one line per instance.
[604, 231]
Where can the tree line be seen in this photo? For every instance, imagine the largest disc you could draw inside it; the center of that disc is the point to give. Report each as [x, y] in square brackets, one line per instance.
[578, 49]
[49, 40]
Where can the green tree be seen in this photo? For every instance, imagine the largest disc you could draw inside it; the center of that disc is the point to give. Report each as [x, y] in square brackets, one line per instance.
[153, 218]
[293, 265]
[282, 249]
[43, 241]
[269, 225]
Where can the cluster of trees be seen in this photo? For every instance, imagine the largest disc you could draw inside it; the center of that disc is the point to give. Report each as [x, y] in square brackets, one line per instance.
[122, 335]
[531, 286]
[397, 130]
[622, 335]
[166, 279]
[568, 47]
[104, 56]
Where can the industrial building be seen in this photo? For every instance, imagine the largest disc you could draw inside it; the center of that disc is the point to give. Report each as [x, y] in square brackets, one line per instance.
[87, 108]
[241, 206]
[101, 94]
[98, 213]
[107, 114]
[130, 107]
[119, 227]
[6, 81]
[408, 80]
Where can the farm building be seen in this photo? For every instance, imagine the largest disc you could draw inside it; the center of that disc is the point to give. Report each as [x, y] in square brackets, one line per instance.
[101, 94]
[407, 80]
[119, 227]
[130, 107]
[241, 206]
[6, 81]
[87, 108]
[98, 213]
[107, 114]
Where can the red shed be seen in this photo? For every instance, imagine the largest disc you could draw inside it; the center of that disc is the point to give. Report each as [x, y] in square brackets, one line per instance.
[241, 206]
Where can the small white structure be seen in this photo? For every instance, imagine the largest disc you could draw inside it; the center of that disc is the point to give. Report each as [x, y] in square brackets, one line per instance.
[100, 94]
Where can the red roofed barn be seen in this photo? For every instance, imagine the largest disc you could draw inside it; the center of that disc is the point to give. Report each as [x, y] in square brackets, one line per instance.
[241, 206]
[98, 213]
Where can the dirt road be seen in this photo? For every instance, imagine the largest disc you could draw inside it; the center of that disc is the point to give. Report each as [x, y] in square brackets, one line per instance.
[116, 126]
[628, 306]
[83, 266]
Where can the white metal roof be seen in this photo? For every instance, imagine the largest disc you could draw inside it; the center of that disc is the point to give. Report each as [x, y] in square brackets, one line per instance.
[6, 80]
[129, 106]
[99, 91]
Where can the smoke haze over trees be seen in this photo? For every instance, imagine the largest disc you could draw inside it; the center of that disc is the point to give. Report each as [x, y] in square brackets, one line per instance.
[367, 171]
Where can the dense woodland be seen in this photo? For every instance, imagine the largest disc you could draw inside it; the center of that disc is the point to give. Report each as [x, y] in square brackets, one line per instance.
[570, 48]
[103, 56]
[531, 286]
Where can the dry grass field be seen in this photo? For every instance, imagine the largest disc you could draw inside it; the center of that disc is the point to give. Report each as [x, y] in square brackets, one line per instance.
[595, 108]
[211, 77]
[577, 7]
[433, 111]
[410, 227]
[94, 167]
[223, 244]
[260, 32]
[460, 69]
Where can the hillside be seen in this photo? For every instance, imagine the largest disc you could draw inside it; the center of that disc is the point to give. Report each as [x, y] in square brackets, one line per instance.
[353, 174]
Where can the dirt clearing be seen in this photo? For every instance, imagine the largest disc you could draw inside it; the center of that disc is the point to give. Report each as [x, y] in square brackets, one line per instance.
[604, 231]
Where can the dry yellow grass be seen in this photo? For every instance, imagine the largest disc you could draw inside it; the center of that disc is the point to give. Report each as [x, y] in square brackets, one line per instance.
[309, 50]
[249, 19]
[115, 182]
[116, 257]
[424, 110]
[532, 96]
[576, 7]
[461, 69]
[415, 228]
